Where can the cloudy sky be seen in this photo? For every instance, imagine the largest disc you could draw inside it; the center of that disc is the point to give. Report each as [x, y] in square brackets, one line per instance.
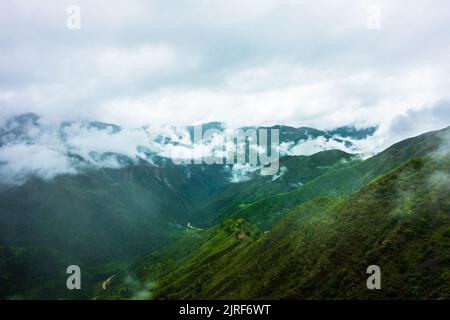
[304, 63]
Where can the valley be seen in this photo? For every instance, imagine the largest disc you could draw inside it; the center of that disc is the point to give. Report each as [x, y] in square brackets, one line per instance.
[158, 230]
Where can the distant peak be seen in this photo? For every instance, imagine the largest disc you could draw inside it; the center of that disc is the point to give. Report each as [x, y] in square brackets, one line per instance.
[353, 132]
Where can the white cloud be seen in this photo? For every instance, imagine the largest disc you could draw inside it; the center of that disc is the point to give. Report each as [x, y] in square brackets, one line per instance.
[242, 172]
[244, 62]
[416, 121]
[20, 161]
[84, 141]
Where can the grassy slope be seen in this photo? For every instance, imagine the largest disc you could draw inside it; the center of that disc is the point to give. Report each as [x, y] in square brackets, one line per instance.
[321, 249]
[100, 220]
[263, 211]
[300, 170]
[341, 180]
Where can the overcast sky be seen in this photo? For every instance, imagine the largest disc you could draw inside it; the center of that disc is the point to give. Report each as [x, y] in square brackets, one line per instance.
[246, 62]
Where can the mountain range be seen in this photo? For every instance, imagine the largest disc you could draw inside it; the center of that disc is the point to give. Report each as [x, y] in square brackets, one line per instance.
[142, 227]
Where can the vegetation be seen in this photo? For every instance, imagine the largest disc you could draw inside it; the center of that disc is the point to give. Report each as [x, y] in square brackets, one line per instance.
[308, 233]
[322, 248]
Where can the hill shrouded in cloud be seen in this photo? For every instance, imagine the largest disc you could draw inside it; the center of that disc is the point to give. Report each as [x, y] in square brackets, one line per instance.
[29, 148]
[107, 220]
[321, 241]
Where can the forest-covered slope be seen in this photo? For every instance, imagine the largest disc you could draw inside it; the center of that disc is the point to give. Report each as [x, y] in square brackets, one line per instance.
[321, 249]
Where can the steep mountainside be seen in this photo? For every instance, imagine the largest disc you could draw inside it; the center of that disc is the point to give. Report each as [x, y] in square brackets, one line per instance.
[100, 217]
[148, 216]
[295, 171]
[321, 249]
[343, 180]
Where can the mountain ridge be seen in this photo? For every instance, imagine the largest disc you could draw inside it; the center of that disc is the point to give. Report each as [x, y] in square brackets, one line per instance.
[337, 240]
[251, 261]
[106, 219]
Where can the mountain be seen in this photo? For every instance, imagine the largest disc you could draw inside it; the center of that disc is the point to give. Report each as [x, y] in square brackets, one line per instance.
[96, 218]
[321, 246]
[17, 128]
[120, 207]
[294, 135]
[103, 220]
[343, 180]
[105, 208]
[295, 171]
[321, 249]
[353, 132]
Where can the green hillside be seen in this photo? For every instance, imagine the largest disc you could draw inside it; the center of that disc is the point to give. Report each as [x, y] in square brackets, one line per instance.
[295, 171]
[341, 180]
[322, 248]
[101, 220]
[170, 231]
